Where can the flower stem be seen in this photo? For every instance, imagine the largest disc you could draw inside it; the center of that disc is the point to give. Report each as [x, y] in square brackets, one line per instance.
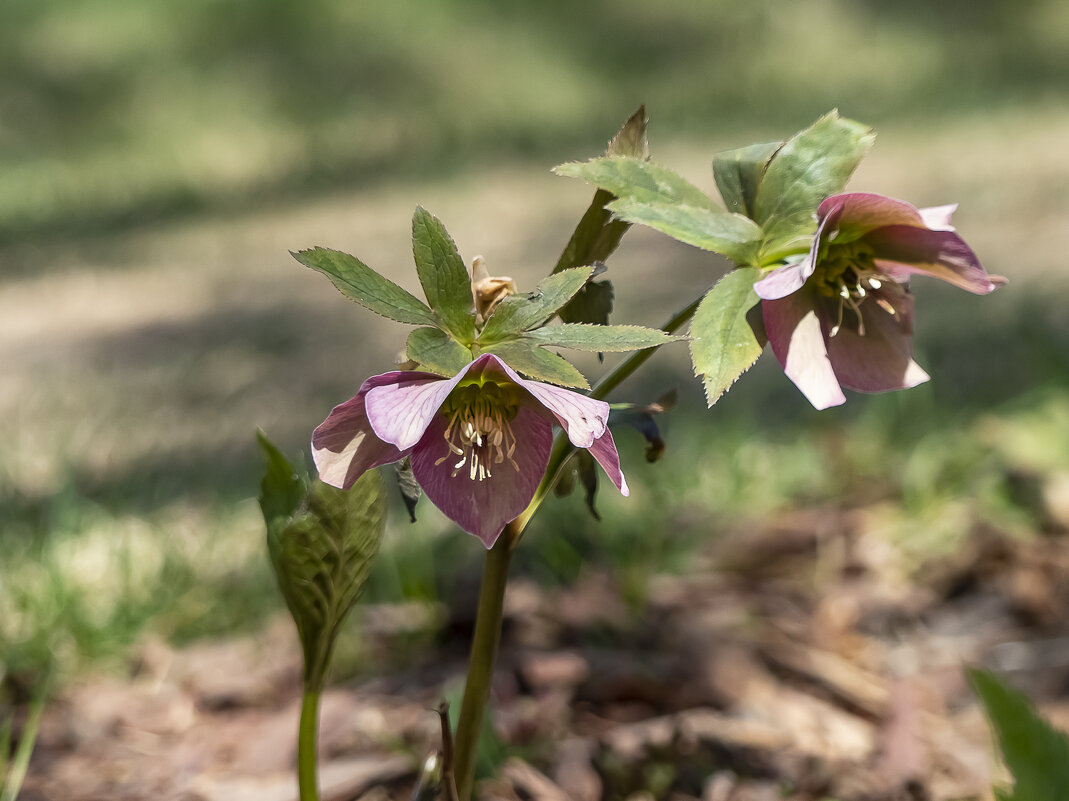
[306, 746]
[562, 448]
[484, 644]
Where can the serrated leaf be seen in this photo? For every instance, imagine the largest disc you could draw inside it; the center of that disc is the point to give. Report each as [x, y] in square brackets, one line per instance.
[321, 552]
[358, 282]
[727, 335]
[517, 313]
[638, 180]
[442, 273]
[600, 338]
[436, 351]
[1036, 753]
[811, 165]
[731, 235]
[738, 173]
[538, 363]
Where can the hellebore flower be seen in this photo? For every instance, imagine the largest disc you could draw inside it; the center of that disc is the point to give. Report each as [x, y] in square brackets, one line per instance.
[479, 441]
[843, 315]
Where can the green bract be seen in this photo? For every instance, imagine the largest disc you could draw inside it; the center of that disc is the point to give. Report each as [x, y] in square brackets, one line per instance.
[812, 165]
[322, 543]
[727, 335]
[449, 338]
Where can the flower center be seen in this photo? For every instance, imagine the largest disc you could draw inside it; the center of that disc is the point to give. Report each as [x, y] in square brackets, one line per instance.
[849, 275]
[480, 428]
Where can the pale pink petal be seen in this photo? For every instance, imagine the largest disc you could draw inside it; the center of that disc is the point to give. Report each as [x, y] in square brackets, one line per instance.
[401, 410]
[796, 335]
[790, 278]
[785, 280]
[603, 449]
[902, 249]
[882, 358]
[582, 417]
[344, 446]
[937, 218]
[483, 508]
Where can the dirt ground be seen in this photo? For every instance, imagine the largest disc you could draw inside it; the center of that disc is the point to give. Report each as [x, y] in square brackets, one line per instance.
[793, 661]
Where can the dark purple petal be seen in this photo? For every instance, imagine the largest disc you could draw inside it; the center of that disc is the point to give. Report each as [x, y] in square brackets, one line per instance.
[902, 249]
[882, 358]
[483, 508]
[854, 214]
[582, 417]
[401, 410]
[603, 449]
[797, 338]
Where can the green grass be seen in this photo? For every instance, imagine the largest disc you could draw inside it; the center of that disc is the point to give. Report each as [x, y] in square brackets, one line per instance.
[115, 112]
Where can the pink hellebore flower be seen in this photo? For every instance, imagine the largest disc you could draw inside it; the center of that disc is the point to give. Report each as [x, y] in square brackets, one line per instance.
[479, 441]
[843, 315]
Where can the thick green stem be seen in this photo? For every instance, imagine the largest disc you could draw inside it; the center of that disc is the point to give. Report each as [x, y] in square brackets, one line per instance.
[484, 644]
[562, 448]
[307, 758]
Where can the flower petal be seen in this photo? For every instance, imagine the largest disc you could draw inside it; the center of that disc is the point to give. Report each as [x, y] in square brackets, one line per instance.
[483, 508]
[902, 249]
[582, 417]
[401, 408]
[790, 278]
[857, 213]
[797, 338]
[785, 280]
[603, 449]
[344, 446]
[882, 358]
[937, 218]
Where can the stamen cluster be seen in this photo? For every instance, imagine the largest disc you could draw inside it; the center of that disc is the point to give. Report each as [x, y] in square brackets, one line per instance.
[480, 428]
[851, 277]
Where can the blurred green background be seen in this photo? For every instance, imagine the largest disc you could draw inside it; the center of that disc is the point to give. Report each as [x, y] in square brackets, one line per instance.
[158, 159]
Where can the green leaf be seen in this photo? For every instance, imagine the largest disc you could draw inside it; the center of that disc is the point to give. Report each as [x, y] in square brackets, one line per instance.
[637, 179]
[321, 552]
[517, 313]
[811, 165]
[538, 363]
[436, 351]
[738, 173]
[732, 235]
[358, 282]
[444, 277]
[282, 488]
[600, 338]
[1036, 753]
[598, 234]
[727, 334]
